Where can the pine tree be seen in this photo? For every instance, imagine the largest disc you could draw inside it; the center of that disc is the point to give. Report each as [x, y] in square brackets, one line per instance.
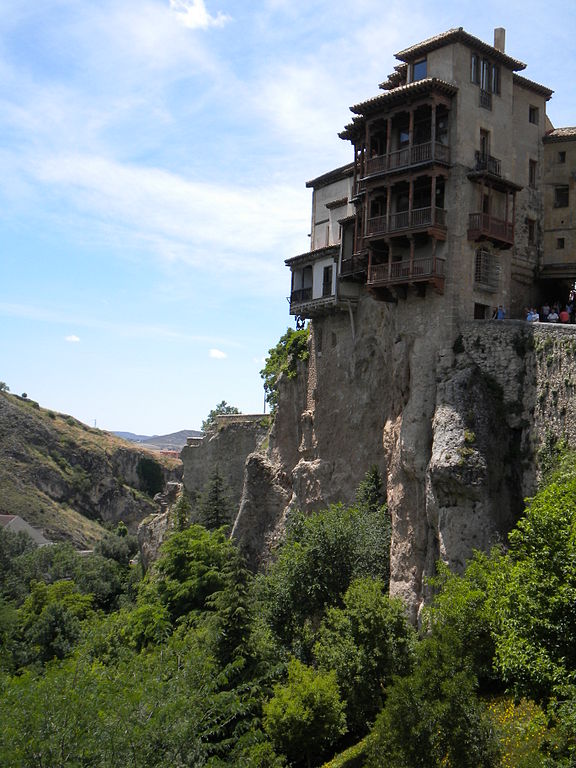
[214, 505]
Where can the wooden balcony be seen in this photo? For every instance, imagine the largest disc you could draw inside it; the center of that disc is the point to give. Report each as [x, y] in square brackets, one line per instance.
[354, 266]
[482, 226]
[421, 270]
[302, 303]
[404, 222]
[429, 152]
[488, 164]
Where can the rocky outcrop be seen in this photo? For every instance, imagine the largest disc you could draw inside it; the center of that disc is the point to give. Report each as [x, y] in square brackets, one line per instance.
[66, 478]
[153, 530]
[224, 448]
[457, 416]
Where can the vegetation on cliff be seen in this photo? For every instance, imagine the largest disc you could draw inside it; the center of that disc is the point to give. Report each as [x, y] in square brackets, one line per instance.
[283, 359]
[199, 663]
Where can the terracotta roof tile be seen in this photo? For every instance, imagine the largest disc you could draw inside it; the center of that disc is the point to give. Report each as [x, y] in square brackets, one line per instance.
[458, 35]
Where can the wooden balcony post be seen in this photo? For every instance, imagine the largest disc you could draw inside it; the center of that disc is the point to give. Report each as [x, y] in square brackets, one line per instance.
[412, 247]
[388, 140]
[433, 200]
[433, 131]
[389, 259]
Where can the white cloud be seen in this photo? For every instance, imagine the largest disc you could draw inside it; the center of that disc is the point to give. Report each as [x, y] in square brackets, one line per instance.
[217, 354]
[193, 14]
[72, 338]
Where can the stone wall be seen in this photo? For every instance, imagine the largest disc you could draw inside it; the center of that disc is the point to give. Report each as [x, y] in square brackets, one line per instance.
[225, 448]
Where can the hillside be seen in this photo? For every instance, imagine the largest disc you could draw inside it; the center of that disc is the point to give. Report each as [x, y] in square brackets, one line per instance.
[68, 479]
[175, 441]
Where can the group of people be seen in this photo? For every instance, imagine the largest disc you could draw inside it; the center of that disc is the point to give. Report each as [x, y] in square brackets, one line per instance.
[555, 313]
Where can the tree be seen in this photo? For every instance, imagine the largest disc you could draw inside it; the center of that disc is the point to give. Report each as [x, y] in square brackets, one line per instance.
[4, 387]
[283, 359]
[181, 512]
[322, 554]
[366, 642]
[305, 714]
[214, 506]
[432, 717]
[219, 410]
[189, 570]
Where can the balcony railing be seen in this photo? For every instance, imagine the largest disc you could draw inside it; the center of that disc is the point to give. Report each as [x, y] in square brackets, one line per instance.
[418, 270]
[301, 295]
[408, 156]
[485, 99]
[353, 265]
[488, 163]
[482, 226]
[418, 218]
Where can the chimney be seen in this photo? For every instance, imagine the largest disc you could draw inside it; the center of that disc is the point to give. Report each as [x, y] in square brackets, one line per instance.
[500, 39]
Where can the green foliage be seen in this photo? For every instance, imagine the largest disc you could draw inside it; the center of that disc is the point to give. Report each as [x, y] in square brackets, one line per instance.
[321, 556]
[214, 507]
[222, 409]
[151, 476]
[534, 597]
[283, 359]
[4, 387]
[190, 569]
[181, 512]
[118, 547]
[432, 718]
[366, 642]
[305, 714]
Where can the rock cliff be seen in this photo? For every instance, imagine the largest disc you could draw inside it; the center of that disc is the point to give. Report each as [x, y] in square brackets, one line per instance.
[459, 417]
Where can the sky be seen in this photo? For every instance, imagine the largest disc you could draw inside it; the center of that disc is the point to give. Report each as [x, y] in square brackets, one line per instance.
[153, 161]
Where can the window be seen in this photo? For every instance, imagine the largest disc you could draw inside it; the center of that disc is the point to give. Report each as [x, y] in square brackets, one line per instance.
[495, 79]
[484, 144]
[531, 226]
[486, 270]
[561, 196]
[559, 243]
[420, 70]
[327, 281]
[532, 171]
[533, 115]
[561, 157]
[475, 69]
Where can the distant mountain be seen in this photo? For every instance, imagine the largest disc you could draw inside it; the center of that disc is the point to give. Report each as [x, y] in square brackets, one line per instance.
[175, 441]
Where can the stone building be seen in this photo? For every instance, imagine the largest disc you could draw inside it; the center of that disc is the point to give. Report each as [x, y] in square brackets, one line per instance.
[558, 264]
[457, 194]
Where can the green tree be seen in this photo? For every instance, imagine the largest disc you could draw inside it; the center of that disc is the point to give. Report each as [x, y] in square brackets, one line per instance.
[322, 554]
[222, 409]
[432, 717]
[366, 642]
[533, 593]
[305, 714]
[151, 476]
[189, 570]
[214, 507]
[181, 512]
[283, 359]
[4, 387]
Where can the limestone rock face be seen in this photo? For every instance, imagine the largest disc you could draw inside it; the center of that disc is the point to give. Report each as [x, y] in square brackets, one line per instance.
[152, 531]
[225, 449]
[456, 415]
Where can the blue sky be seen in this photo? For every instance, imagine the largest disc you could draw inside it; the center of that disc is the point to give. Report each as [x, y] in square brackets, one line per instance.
[153, 160]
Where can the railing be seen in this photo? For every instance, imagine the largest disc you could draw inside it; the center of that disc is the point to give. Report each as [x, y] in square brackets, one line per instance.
[418, 270]
[302, 294]
[488, 163]
[415, 219]
[403, 158]
[485, 99]
[353, 265]
[484, 225]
